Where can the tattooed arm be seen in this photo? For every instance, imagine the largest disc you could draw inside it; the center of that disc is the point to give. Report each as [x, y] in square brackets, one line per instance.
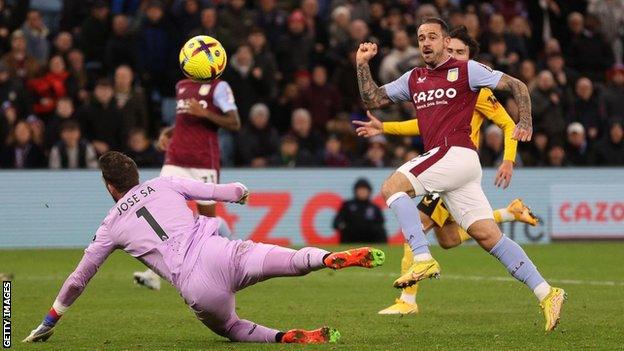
[520, 92]
[372, 95]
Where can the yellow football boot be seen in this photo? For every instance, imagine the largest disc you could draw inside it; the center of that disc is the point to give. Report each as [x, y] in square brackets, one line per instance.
[521, 212]
[400, 307]
[418, 271]
[551, 306]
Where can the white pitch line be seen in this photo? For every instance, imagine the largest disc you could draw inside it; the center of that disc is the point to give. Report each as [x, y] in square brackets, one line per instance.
[392, 275]
[507, 279]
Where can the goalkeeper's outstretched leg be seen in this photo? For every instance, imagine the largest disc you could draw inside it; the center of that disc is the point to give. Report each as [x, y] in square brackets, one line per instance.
[216, 278]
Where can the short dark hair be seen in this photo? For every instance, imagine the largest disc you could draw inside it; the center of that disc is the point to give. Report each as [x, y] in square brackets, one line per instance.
[461, 33]
[70, 124]
[436, 20]
[119, 170]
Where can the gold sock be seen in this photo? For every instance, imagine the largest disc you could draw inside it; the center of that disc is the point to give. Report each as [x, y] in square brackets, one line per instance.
[406, 263]
[463, 235]
[497, 217]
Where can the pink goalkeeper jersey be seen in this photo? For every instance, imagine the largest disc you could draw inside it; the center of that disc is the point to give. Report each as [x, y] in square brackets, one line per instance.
[153, 223]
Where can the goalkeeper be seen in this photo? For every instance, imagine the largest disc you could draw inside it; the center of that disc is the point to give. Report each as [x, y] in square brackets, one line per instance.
[151, 222]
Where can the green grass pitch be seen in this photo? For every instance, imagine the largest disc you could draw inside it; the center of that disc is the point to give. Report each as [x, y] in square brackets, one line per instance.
[474, 306]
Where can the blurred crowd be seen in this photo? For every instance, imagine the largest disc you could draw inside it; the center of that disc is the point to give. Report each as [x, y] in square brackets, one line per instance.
[80, 77]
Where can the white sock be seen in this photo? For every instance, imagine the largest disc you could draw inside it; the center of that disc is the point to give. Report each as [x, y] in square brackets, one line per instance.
[541, 291]
[506, 216]
[423, 257]
[409, 298]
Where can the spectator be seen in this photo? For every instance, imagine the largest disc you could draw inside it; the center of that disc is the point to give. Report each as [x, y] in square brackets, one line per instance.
[308, 139]
[37, 128]
[158, 53]
[265, 60]
[248, 81]
[359, 220]
[546, 106]
[101, 121]
[94, 34]
[21, 152]
[13, 94]
[8, 118]
[339, 27]
[401, 59]
[565, 77]
[294, 49]
[471, 21]
[258, 141]
[491, 153]
[375, 154]
[496, 31]
[520, 28]
[75, 59]
[284, 107]
[130, 101]
[586, 108]
[142, 151]
[19, 63]
[343, 80]
[72, 151]
[359, 8]
[187, 16]
[528, 74]
[611, 14]
[577, 149]
[557, 156]
[614, 92]
[64, 111]
[316, 27]
[333, 156]
[502, 59]
[445, 8]
[290, 155]
[210, 26]
[72, 15]
[585, 40]
[321, 98]
[63, 43]
[237, 19]
[535, 154]
[271, 20]
[46, 90]
[610, 150]
[120, 48]
[36, 34]
[378, 24]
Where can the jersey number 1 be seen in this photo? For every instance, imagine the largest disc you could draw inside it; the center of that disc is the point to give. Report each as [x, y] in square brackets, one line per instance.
[143, 212]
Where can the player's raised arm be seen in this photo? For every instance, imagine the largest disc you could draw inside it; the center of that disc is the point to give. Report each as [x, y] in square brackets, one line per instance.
[74, 285]
[375, 127]
[520, 92]
[223, 98]
[196, 190]
[482, 76]
[372, 95]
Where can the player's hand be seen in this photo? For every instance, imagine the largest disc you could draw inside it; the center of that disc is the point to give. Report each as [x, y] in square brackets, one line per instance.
[369, 129]
[522, 132]
[503, 176]
[365, 53]
[101, 147]
[41, 333]
[245, 196]
[164, 138]
[195, 108]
